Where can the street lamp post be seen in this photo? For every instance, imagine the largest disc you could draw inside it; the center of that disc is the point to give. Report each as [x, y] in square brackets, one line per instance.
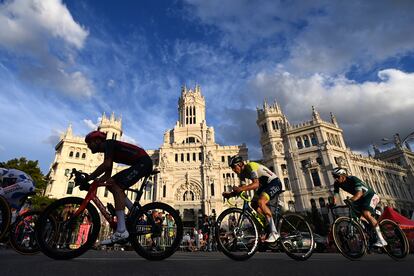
[397, 140]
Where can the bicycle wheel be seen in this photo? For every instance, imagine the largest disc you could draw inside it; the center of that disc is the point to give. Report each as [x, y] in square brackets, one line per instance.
[349, 238]
[5, 216]
[62, 236]
[22, 234]
[237, 234]
[296, 237]
[156, 231]
[398, 246]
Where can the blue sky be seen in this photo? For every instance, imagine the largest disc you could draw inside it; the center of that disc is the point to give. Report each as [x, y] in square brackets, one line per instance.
[65, 62]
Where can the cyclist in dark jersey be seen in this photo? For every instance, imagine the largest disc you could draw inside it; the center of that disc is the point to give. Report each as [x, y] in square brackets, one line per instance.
[266, 184]
[119, 152]
[364, 199]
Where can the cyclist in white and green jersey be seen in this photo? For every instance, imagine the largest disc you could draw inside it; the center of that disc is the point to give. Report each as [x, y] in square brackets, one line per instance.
[266, 184]
[364, 199]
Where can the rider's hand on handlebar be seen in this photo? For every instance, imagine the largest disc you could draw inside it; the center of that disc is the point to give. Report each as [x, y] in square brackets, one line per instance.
[237, 190]
[227, 195]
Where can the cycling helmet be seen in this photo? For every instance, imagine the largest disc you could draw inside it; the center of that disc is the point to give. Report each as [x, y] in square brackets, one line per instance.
[235, 160]
[339, 171]
[95, 134]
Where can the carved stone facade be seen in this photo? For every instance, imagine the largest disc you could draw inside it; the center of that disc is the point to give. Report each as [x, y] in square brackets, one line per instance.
[304, 155]
[193, 167]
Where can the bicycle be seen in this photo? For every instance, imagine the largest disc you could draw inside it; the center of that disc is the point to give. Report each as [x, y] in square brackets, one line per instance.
[70, 226]
[239, 232]
[354, 237]
[20, 232]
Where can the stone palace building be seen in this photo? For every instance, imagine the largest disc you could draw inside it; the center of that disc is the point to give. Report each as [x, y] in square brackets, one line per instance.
[194, 168]
[304, 155]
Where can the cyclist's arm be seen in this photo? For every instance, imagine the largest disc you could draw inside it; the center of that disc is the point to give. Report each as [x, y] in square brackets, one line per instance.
[335, 193]
[252, 186]
[105, 167]
[357, 196]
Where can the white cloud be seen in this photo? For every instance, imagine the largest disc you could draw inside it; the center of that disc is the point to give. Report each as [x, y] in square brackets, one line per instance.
[42, 37]
[317, 36]
[367, 111]
[129, 139]
[92, 125]
[25, 23]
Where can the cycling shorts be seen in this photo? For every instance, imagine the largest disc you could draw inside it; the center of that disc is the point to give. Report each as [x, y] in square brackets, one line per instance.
[270, 190]
[368, 202]
[130, 176]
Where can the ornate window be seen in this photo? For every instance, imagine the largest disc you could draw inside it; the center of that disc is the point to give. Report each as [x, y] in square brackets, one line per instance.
[188, 196]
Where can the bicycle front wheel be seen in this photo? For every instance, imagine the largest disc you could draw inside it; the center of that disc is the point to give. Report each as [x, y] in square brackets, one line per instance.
[5, 216]
[349, 238]
[61, 235]
[397, 242]
[156, 231]
[237, 234]
[22, 234]
[296, 237]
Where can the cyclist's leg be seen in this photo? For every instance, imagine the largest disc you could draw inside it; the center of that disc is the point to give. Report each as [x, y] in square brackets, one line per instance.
[368, 204]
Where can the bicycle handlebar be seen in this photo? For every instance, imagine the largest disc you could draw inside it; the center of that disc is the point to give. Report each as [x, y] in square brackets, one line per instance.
[80, 179]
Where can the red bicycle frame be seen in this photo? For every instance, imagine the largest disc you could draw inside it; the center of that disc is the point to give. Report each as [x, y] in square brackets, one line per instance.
[91, 195]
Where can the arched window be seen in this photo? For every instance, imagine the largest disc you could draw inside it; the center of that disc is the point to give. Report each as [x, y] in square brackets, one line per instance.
[188, 196]
[71, 154]
[83, 155]
[313, 203]
[71, 185]
[77, 155]
[67, 172]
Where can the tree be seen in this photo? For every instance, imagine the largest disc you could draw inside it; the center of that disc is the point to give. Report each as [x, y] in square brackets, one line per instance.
[31, 168]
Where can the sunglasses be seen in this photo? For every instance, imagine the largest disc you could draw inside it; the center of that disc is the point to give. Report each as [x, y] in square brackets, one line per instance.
[335, 176]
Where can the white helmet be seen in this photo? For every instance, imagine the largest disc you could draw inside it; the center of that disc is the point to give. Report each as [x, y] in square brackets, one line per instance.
[339, 171]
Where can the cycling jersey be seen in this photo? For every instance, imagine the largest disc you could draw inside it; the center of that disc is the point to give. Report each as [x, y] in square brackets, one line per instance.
[122, 152]
[352, 185]
[15, 184]
[253, 170]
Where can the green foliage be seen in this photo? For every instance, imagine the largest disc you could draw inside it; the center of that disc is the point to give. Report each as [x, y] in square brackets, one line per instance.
[31, 168]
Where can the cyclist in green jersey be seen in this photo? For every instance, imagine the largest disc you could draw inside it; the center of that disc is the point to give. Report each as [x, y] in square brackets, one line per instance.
[364, 199]
[266, 184]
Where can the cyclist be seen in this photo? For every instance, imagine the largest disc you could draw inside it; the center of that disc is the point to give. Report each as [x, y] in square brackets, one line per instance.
[14, 186]
[364, 199]
[119, 152]
[266, 184]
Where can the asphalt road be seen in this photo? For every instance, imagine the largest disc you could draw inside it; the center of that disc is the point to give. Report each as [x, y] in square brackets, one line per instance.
[200, 263]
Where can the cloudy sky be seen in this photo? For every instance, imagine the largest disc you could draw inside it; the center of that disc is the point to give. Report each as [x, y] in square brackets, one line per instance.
[65, 62]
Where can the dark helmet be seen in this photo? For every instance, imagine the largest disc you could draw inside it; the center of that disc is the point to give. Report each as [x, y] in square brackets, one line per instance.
[94, 135]
[235, 160]
[339, 171]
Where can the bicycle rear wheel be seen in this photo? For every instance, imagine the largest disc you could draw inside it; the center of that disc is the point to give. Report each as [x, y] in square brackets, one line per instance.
[61, 235]
[237, 234]
[296, 237]
[156, 231]
[5, 216]
[398, 246]
[22, 234]
[349, 238]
